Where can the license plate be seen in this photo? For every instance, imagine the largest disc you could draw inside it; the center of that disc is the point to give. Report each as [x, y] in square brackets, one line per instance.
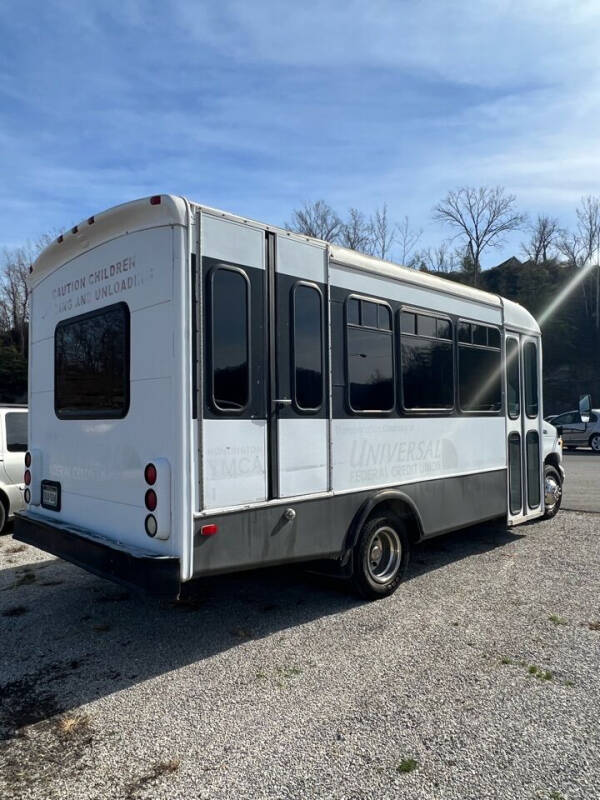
[51, 495]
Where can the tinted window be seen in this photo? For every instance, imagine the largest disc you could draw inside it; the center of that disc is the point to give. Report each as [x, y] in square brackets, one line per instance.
[480, 335]
[308, 348]
[512, 378]
[91, 365]
[464, 332]
[479, 384]
[230, 340]
[368, 314]
[426, 325]
[533, 469]
[567, 419]
[427, 373]
[370, 358]
[16, 432]
[514, 473]
[444, 329]
[493, 337]
[370, 370]
[352, 310]
[408, 322]
[531, 379]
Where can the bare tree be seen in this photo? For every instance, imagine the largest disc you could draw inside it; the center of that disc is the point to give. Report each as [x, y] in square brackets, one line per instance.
[355, 232]
[382, 233]
[316, 219]
[480, 217]
[439, 259]
[588, 224]
[14, 292]
[542, 241]
[407, 239]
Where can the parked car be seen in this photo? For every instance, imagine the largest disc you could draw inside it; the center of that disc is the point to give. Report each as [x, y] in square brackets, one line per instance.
[13, 444]
[576, 433]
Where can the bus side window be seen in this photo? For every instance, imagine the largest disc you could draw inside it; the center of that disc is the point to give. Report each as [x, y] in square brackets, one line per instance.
[307, 347]
[479, 368]
[230, 340]
[531, 379]
[370, 357]
[427, 363]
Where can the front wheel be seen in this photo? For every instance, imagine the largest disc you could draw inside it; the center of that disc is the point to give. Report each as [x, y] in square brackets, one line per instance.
[552, 492]
[3, 516]
[381, 556]
[595, 442]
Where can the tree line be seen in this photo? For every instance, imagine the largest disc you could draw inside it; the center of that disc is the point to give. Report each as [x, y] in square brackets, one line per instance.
[476, 219]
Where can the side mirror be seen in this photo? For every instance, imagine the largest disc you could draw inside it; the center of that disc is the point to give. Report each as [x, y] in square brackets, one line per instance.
[585, 407]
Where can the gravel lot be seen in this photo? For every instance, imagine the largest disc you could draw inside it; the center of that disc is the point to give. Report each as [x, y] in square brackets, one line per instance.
[481, 672]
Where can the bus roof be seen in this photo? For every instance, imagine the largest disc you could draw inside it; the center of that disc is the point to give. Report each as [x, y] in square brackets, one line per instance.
[172, 210]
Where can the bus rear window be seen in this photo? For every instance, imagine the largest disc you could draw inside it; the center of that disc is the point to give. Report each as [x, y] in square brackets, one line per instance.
[91, 365]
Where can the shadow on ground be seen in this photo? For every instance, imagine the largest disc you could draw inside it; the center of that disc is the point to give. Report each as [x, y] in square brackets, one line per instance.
[69, 638]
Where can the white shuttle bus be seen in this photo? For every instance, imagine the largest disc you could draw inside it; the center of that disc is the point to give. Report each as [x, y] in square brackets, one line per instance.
[210, 394]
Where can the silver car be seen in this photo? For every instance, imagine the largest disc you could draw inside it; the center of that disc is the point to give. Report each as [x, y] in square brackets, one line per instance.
[576, 433]
[13, 444]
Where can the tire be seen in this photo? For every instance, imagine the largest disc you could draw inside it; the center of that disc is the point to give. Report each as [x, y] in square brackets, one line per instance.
[595, 442]
[3, 516]
[380, 557]
[552, 492]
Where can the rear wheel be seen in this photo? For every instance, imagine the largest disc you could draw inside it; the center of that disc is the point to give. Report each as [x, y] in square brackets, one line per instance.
[381, 556]
[552, 492]
[595, 442]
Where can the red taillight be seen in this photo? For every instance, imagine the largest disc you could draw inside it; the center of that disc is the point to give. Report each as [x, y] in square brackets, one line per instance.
[209, 530]
[155, 200]
[151, 500]
[27, 459]
[27, 477]
[150, 474]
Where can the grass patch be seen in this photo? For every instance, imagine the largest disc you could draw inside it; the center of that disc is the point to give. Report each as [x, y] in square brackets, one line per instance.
[594, 626]
[557, 796]
[73, 724]
[16, 548]
[541, 674]
[289, 672]
[407, 765]
[15, 611]
[505, 660]
[557, 620]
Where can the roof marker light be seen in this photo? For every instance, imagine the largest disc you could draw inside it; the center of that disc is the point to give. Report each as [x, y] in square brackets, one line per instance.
[155, 200]
[209, 530]
[60, 238]
[91, 221]
[74, 229]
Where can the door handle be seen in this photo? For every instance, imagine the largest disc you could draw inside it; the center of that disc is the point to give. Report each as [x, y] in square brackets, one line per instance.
[284, 401]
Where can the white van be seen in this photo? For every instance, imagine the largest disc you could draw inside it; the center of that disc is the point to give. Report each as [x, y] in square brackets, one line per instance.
[13, 444]
[210, 394]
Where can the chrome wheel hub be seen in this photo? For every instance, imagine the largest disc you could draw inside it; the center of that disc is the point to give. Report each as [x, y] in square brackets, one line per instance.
[384, 555]
[552, 492]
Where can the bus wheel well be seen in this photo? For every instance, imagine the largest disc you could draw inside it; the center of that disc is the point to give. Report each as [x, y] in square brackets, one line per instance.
[390, 502]
[553, 461]
[402, 510]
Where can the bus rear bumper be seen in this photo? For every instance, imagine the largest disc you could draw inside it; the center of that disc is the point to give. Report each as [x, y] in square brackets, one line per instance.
[136, 569]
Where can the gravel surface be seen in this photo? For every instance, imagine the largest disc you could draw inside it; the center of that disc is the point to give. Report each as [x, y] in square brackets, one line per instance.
[477, 679]
[582, 481]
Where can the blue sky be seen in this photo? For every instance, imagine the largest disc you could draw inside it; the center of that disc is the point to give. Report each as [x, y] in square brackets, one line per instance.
[255, 107]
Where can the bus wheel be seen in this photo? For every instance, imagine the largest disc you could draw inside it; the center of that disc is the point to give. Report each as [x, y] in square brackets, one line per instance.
[552, 492]
[381, 556]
